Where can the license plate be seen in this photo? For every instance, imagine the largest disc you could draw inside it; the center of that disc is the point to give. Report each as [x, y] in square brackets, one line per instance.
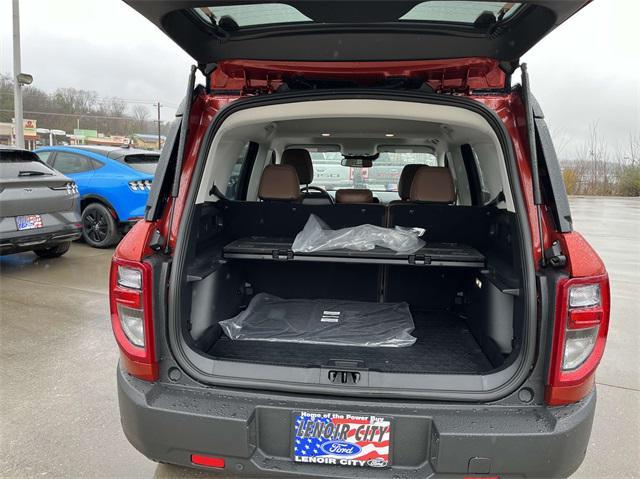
[28, 222]
[341, 439]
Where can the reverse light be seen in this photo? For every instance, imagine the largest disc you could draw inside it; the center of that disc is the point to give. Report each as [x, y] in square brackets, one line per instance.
[585, 295]
[132, 322]
[580, 333]
[578, 345]
[129, 277]
[130, 293]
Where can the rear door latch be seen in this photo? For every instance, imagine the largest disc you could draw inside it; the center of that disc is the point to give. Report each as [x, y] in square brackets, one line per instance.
[279, 254]
[344, 377]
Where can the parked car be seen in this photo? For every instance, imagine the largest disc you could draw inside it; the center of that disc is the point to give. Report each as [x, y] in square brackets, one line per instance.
[114, 184]
[473, 355]
[39, 207]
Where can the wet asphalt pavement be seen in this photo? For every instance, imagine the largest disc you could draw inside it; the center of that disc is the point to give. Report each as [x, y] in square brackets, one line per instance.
[58, 406]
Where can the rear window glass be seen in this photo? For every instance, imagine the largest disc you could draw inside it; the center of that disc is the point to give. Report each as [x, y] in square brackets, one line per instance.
[144, 163]
[7, 156]
[251, 15]
[459, 12]
[15, 164]
[329, 174]
[255, 14]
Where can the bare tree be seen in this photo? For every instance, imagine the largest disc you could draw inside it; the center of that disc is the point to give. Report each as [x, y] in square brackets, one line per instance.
[560, 140]
[629, 167]
[593, 156]
[70, 100]
[140, 116]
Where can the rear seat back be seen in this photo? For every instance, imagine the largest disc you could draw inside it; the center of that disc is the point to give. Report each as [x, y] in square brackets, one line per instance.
[281, 219]
[443, 223]
[431, 206]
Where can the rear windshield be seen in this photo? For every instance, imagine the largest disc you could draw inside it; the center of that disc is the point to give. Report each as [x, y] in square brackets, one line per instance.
[19, 164]
[253, 15]
[7, 156]
[145, 163]
[383, 175]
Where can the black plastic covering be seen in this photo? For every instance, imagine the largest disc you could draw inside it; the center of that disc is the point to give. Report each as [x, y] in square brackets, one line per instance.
[322, 321]
[373, 34]
[551, 179]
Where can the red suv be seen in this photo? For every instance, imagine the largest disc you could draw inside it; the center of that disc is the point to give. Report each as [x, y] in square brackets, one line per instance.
[358, 256]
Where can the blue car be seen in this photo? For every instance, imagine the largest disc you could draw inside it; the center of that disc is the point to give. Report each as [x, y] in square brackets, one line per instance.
[113, 182]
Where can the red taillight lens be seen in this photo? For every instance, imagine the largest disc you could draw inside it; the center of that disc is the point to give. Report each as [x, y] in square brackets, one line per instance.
[132, 317]
[580, 334]
[207, 461]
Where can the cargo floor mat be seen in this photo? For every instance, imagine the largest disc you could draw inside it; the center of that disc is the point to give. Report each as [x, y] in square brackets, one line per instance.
[444, 345]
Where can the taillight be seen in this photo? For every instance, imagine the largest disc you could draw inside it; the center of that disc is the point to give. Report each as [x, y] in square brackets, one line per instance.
[132, 317]
[580, 333]
[140, 185]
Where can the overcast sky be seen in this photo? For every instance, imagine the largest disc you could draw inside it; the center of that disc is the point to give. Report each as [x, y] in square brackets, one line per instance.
[586, 71]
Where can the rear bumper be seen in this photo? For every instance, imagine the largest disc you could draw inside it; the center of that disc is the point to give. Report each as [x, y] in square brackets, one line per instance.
[17, 241]
[252, 432]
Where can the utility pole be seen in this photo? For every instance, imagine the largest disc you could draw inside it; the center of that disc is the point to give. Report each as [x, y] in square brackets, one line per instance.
[17, 87]
[159, 143]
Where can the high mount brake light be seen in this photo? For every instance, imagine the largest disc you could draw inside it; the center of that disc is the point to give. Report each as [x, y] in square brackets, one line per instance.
[130, 289]
[581, 326]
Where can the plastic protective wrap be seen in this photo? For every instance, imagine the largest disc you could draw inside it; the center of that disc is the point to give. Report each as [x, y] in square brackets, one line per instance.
[317, 236]
[322, 321]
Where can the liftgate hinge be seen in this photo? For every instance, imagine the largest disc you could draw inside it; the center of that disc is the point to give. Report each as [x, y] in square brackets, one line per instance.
[554, 255]
[157, 241]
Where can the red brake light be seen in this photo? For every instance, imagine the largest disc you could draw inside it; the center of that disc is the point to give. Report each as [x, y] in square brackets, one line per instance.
[132, 317]
[580, 334]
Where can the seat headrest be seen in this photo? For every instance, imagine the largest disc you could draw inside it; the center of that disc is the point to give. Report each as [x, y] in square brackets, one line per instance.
[280, 183]
[433, 184]
[406, 178]
[300, 159]
[354, 196]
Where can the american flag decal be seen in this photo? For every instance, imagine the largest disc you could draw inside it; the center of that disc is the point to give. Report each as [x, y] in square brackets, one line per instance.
[341, 439]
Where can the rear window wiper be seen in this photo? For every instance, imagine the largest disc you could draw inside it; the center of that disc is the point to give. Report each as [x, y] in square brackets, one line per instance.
[33, 173]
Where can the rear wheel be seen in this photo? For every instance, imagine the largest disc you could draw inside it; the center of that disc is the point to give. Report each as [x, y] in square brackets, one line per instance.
[53, 251]
[99, 227]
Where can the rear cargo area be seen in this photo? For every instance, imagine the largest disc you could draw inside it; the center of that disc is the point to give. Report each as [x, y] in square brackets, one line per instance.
[464, 314]
[460, 292]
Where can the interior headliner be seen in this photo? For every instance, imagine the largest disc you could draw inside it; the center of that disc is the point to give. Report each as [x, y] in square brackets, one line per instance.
[358, 126]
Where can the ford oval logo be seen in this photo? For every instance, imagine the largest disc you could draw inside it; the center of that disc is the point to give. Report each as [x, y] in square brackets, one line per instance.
[341, 448]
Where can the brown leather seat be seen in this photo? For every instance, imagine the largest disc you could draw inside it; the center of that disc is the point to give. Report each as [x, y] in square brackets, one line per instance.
[300, 159]
[350, 196]
[279, 183]
[432, 184]
[406, 178]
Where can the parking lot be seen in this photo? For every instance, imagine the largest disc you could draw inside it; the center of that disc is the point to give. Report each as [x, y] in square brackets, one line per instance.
[58, 412]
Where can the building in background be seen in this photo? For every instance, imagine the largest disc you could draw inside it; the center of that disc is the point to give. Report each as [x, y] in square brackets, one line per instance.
[6, 133]
[146, 142]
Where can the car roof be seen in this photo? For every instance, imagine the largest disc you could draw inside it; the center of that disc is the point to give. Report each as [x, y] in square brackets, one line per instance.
[11, 148]
[111, 152]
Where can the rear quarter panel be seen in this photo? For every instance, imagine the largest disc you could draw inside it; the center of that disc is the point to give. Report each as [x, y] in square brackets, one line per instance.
[110, 182]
